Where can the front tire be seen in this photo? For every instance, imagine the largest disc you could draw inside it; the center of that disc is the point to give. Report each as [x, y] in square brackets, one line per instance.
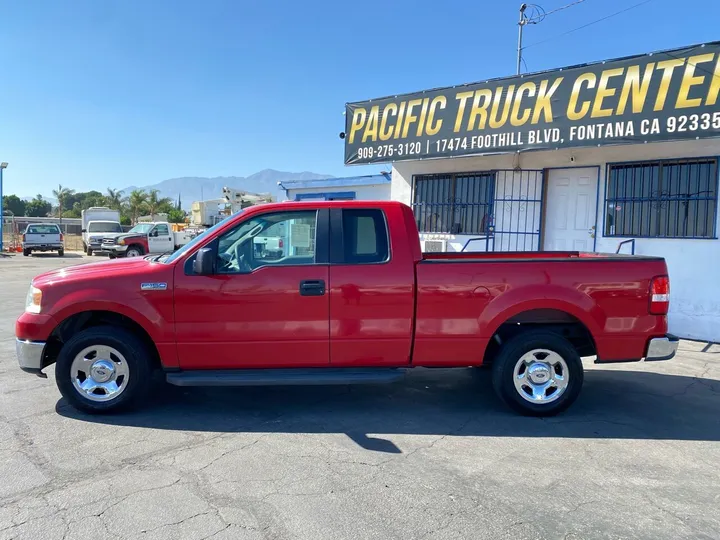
[89, 251]
[133, 251]
[104, 369]
[538, 373]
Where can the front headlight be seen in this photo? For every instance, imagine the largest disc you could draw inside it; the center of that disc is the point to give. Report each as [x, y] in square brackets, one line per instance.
[33, 300]
[121, 241]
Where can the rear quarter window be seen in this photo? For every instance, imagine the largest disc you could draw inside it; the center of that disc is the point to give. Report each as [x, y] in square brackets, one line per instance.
[365, 237]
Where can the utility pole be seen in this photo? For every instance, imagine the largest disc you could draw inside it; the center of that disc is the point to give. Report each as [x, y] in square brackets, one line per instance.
[521, 24]
[3, 166]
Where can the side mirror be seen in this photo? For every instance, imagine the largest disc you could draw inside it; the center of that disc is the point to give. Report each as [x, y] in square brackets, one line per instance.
[83, 230]
[204, 262]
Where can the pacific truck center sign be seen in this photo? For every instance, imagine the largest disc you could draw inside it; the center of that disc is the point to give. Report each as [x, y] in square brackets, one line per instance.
[667, 95]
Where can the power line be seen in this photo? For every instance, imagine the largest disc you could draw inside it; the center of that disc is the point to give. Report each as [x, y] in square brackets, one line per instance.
[546, 13]
[588, 24]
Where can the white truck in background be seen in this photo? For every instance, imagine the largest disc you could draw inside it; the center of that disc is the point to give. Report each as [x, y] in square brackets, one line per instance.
[147, 239]
[99, 223]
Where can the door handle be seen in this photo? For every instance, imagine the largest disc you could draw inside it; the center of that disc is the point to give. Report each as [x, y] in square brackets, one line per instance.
[312, 287]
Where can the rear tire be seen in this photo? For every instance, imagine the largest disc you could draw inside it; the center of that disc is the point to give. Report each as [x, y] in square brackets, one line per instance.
[61, 253]
[104, 353]
[538, 373]
[26, 252]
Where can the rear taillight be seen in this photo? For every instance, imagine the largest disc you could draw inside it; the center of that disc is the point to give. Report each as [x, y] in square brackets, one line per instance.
[62, 237]
[24, 237]
[281, 244]
[659, 295]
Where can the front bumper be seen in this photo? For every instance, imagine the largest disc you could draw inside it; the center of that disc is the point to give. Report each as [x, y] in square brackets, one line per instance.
[662, 348]
[30, 355]
[116, 249]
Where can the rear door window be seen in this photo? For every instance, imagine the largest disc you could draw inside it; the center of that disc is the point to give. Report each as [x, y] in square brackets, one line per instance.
[365, 236]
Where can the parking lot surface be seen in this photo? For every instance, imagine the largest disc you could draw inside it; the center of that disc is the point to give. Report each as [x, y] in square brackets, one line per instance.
[434, 456]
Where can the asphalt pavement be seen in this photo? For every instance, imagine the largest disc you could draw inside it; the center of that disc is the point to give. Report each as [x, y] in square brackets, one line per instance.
[433, 456]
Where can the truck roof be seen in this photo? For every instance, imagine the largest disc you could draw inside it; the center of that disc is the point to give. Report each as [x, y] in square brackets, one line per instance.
[329, 204]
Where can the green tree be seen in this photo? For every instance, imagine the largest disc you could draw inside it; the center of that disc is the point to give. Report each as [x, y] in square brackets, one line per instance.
[61, 194]
[13, 204]
[137, 204]
[176, 216]
[113, 198]
[38, 207]
[155, 203]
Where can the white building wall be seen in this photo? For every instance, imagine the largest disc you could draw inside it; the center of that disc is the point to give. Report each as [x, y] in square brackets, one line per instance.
[374, 192]
[692, 264]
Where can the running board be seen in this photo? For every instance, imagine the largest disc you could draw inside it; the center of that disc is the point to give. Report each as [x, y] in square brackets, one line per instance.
[285, 377]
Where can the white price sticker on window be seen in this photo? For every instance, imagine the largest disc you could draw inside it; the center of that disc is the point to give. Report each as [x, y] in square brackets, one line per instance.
[300, 235]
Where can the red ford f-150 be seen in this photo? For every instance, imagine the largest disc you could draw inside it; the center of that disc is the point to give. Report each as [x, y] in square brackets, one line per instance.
[352, 299]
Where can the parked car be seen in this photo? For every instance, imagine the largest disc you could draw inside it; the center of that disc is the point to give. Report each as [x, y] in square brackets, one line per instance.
[99, 223]
[145, 239]
[43, 237]
[355, 302]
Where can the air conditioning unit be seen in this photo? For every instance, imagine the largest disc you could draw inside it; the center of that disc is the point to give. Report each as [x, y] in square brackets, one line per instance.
[433, 246]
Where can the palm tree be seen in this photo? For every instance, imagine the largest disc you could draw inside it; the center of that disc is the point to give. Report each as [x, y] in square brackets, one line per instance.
[113, 198]
[153, 202]
[137, 202]
[60, 193]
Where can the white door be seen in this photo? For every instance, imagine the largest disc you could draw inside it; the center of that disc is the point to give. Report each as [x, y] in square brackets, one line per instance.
[571, 209]
[160, 240]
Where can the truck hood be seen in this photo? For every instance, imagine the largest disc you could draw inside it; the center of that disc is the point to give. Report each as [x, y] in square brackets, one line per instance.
[101, 270]
[126, 236]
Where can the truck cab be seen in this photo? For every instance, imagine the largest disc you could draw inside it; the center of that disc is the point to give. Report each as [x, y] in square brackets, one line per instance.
[146, 239]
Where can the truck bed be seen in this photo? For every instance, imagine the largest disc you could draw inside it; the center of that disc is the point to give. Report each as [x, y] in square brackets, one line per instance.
[463, 298]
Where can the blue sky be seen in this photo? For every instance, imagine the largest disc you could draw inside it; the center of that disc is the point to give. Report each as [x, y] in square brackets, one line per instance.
[131, 92]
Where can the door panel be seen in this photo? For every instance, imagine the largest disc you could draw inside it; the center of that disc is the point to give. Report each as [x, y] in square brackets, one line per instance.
[162, 242]
[256, 320]
[257, 310]
[372, 298]
[571, 210]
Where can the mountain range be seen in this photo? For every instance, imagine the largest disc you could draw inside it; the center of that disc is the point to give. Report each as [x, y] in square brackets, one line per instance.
[195, 188]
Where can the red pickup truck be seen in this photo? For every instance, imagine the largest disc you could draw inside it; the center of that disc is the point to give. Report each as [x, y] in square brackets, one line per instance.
[351, 300]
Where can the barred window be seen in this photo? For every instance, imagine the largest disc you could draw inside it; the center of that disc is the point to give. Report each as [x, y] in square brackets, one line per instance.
[453, 203]
[662, 199]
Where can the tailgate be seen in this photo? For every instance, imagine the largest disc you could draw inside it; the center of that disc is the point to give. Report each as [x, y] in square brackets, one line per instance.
[31, 238]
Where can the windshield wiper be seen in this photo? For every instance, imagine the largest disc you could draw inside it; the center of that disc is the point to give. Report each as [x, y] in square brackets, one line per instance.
[156, 258]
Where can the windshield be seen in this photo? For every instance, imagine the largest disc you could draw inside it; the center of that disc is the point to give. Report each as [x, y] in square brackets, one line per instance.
[100, 226]
[142, 228]
[195, 241]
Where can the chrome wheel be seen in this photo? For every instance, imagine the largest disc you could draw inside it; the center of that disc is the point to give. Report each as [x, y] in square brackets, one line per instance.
[132, 252]
[99, 373]
[541, 376]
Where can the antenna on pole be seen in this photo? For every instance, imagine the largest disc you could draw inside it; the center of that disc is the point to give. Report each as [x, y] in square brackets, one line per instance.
[521, 24]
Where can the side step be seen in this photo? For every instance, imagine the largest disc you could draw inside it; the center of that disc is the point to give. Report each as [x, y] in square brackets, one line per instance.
[285, 377]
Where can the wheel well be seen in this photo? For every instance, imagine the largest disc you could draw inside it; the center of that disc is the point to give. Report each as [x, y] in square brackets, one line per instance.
[87, 319]
[553, 320]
